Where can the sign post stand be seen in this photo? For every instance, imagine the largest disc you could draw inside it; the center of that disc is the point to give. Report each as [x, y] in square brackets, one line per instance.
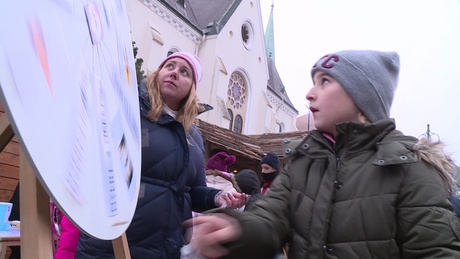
[34, 205]
[6, 132]
[121, 248]
[35, 214]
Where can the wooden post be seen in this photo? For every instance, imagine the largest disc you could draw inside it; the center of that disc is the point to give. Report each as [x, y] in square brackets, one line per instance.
[6, 132]
[35, 214]
[121, 248]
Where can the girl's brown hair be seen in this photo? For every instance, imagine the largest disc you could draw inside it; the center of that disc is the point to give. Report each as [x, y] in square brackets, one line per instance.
[363, 118]
[189, 106]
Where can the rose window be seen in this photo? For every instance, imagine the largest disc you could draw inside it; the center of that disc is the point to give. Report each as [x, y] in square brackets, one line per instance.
[236, 91]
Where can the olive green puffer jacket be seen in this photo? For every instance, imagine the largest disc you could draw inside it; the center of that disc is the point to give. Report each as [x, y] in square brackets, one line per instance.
[377, 194]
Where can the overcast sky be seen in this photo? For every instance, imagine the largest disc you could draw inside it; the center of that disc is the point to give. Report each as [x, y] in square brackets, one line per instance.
[425, 33]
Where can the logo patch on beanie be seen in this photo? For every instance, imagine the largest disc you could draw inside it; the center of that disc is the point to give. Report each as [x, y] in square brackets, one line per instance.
[327, 62]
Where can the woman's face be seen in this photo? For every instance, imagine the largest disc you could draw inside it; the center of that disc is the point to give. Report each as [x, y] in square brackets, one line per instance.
[175, 79]
[330, 103]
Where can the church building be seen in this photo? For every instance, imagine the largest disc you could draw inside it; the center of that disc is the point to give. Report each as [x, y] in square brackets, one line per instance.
[240, 80]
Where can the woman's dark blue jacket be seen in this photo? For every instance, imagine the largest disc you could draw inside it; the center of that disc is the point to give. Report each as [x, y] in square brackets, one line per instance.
[172, 185]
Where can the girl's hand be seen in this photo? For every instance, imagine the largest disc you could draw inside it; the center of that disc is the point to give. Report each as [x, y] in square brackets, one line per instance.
[211, 231]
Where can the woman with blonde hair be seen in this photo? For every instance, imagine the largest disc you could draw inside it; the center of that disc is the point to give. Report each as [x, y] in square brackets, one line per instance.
[172, 170]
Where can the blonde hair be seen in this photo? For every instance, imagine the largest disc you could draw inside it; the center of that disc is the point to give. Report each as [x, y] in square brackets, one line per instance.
[363, 118]
[433, 153]
[189, 106]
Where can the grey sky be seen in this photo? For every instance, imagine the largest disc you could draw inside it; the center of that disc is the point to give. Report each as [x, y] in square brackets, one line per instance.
[425, 33]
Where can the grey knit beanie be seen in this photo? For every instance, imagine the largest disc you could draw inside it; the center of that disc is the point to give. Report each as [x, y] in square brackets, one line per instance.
[370, 77]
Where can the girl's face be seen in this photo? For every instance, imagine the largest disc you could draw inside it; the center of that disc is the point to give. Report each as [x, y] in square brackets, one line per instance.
[175, 79]
[330, 103]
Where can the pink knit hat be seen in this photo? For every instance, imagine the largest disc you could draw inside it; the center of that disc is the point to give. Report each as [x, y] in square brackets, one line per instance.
[193, 60]
[220, 161]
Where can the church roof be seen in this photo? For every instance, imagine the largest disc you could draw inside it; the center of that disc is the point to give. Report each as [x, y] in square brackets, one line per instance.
[208, 16]
[274, 81]
[275, 84]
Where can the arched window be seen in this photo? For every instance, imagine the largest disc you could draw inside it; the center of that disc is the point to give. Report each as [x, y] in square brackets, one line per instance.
[247, 35]
[280, 127]
[238, 126]
[237, 91]
[230, 114]
[237, 98]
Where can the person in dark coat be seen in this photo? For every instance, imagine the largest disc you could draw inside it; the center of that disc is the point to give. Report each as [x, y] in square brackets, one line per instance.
[270, 167]
[355, 187]
[172, 170]
[249, 183]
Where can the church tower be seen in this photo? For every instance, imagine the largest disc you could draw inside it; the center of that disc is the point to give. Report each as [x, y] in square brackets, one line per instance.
[270, 36]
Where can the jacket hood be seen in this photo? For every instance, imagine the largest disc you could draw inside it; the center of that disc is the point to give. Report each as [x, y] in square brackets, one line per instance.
[248, 181]
[204, 107]
[144, 95]
[219, 180]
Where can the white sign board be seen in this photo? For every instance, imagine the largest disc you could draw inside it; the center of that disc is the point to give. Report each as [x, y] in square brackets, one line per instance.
[69, 85]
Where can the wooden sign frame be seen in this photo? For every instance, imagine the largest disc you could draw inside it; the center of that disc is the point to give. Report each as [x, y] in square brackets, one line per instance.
[34, 202]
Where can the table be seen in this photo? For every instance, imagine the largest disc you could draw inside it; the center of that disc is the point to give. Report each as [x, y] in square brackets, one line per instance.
[11, 237]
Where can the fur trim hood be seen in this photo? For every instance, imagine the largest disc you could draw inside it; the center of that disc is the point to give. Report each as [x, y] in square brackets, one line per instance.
[434, 154]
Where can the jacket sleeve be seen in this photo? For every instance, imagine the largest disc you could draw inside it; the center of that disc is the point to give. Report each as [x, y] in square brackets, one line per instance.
[203, 198]
[427, 227]
[201, 195]
[197, 141]
[265, 224]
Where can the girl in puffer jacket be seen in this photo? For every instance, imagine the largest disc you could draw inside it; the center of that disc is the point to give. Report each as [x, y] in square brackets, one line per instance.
[353, 188]
[172, 166]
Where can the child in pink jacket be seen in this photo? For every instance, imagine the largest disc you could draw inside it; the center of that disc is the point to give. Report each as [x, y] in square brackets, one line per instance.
[68, 236]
